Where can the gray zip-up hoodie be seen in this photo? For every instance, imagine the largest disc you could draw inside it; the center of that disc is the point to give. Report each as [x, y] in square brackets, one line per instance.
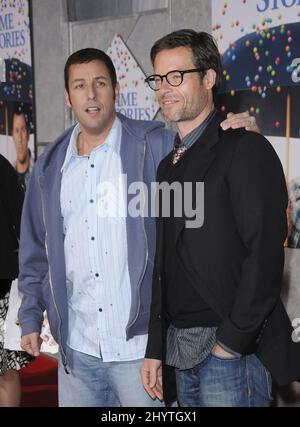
[42, 278]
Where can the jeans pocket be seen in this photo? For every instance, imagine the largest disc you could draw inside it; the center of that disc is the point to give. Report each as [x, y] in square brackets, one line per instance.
[226, 359]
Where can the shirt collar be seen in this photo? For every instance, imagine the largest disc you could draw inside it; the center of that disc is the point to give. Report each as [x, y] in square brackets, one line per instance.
[113, 140]
[195, 134]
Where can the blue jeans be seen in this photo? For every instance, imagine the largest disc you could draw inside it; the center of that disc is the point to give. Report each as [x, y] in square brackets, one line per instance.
[94, 383]
[225, 382]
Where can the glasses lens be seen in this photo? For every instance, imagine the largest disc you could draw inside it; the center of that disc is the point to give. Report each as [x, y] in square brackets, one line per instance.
[154, 82]
[174, 78]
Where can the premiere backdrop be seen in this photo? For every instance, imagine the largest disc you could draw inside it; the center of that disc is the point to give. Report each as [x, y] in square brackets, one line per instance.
[259, 41]
[16, 81]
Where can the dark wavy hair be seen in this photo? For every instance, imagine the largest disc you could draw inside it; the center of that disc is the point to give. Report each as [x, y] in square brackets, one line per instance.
[88, 55]
[204, 49]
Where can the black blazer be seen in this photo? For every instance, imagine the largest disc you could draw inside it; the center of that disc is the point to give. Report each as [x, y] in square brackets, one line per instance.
[235, 260]
[11, 201]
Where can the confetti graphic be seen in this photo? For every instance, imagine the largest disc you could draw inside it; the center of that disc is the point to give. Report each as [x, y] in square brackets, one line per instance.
[258, 52]
[15, 30]
[16, 82]
[137, 100]
[261, 73]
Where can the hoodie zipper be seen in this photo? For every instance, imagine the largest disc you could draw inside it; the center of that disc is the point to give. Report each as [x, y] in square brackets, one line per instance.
[145, 263]
[51, 286]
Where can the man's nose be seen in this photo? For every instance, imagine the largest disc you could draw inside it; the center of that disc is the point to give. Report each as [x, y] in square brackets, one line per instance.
[165, 88]
[91, 92]
[165, 85]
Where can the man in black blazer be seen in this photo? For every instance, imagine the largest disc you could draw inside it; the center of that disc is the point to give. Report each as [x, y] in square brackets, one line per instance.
[217, 321]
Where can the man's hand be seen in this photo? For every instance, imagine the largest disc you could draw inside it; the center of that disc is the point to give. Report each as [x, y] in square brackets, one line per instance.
[151, 373]
[240, 120]
[219, 351]
[31, 343]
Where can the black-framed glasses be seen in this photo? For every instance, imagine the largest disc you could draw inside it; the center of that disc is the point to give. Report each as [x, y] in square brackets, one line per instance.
[174, 78]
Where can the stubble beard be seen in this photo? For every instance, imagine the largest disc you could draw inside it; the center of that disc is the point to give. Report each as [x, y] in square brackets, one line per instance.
[186, 113]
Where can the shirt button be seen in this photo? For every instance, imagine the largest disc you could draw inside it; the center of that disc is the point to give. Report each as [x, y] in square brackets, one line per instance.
[97, 274]
[100, 309]
[92, 238]
[92, 166]
[91, 201]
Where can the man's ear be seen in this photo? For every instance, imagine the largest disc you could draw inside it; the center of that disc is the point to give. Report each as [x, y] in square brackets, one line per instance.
[117, 93]
[209, 80]
[67, 99]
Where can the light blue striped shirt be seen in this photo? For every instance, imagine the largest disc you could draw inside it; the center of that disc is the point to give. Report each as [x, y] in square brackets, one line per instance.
[98, 283]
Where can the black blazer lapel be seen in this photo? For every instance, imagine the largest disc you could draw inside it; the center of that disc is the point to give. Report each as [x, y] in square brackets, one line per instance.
[202, 159]
[195, 173]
